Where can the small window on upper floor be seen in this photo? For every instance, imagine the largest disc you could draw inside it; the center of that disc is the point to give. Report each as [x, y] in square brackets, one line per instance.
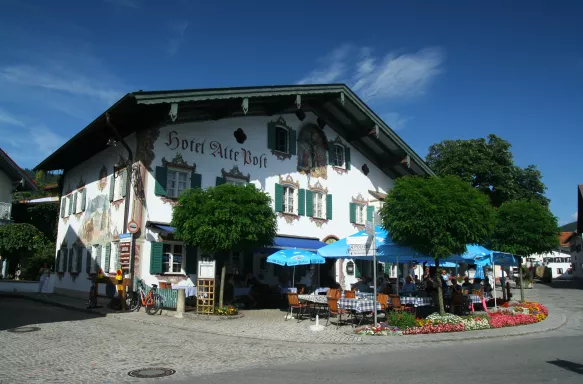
[177, 182]
[339, 158]
[319, 205]
[118, 185]
[281, 140]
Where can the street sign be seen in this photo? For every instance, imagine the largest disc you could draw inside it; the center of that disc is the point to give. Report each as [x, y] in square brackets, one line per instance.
[370, 230]
[359, 249]
[206, 269]
[133, 227]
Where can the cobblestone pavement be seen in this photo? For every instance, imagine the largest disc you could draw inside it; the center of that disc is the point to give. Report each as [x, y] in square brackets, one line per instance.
[76, 347]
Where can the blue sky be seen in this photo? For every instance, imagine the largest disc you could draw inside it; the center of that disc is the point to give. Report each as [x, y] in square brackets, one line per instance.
[434, 70]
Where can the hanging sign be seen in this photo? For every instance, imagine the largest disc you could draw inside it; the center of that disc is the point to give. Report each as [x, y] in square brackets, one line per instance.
[206, 269]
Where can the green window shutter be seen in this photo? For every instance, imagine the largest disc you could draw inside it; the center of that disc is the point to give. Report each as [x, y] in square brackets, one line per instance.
[67, 261]
[111, 187]
[161, 177]
[352, 212]
[63, 206]
[83, 199]
[190, 260]
[75, 202]
[271, 136]
[278, 198]
[88, 260]
[220, 181]
[70, 198]
[58, 261]
[347, 157]
[293, 142]
[71, 253]
[369, 213]
[195, 180]
[331, 154]
[97, 258]
[357, 273]
[156, 258]
[124, 182]
[301, 202]
[79, 255]
[107, 257]
[329, 207]
[309, 203]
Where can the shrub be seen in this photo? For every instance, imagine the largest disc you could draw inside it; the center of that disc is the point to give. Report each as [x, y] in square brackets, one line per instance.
[226, 311]
[401, 320]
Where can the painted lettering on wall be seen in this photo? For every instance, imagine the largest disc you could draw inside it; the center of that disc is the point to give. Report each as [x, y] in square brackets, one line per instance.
[216, 149]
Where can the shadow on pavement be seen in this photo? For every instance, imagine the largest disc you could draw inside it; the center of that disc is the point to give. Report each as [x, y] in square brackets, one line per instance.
[568, 365]
[564, 284]
[20, 312]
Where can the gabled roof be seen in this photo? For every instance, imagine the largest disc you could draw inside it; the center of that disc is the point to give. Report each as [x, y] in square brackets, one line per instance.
[335, 104]
[16, 174]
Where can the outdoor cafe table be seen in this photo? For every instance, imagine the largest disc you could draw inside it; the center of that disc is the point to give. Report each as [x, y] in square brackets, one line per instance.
[358, 306]
[318, 302]
[416, 301]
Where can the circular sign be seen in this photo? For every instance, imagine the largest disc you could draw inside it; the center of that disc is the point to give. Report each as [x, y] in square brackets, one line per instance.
[132, 227]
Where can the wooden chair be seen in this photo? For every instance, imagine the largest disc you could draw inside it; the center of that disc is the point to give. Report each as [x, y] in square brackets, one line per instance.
[383, 300]
[334, 293]
[350, 294]
[294, 303]
[334, 310]
[460, 304]
[301, 289]
[396, 303]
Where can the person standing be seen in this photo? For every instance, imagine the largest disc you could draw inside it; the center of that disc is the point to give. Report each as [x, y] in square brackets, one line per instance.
[45, 273]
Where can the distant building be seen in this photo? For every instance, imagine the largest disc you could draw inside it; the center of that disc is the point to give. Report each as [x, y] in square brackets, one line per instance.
[12, 179]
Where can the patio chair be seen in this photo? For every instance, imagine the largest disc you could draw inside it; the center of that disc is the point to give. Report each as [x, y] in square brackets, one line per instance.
[350, 294]
[397, 306]
[334, 310]
[460, 304]
[334, 293]
[294, 303]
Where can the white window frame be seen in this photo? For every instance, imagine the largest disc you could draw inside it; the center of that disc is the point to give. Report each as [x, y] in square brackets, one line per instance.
[343, 151]
[118, 180]
[176, 192]
[360, 214]
[287, 190]
[278, 129]
[319, 198]
[95, 258]
[79, 198]
[114, 257]
[234, 181]
[171, 259]
[69, 202]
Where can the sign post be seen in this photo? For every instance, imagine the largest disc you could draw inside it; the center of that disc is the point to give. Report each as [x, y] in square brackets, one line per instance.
[370, 231]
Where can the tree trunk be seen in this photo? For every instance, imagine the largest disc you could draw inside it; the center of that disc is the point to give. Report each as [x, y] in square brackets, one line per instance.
[223, 273]
[439, 288]
[521, 280]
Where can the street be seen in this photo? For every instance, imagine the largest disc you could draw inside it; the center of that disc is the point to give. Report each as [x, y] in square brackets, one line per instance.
[73, 347]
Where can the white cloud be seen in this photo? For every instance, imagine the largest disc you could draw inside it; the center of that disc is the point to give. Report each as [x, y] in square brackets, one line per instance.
[61, 79]
[10, 119]
[176, 40]
[380, 77]
[395, 120]
[125, 3]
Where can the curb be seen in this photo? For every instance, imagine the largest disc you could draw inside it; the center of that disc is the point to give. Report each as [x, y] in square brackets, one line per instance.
[54, 303]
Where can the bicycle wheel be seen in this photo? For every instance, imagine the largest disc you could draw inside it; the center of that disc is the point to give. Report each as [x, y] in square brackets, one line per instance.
[133, 301]
[156, 304]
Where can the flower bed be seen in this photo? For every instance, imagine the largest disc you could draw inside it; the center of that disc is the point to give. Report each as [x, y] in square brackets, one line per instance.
[226, 311]
[510, 315]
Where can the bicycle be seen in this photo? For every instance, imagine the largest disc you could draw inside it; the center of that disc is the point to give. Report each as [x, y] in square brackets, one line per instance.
[151, 301]
[92, 301]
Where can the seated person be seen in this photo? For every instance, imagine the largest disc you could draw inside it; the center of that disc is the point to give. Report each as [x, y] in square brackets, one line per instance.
[455, 286]
[487, 286]
[362, 285]
[466, 285]
[477, 284]
[409, 285]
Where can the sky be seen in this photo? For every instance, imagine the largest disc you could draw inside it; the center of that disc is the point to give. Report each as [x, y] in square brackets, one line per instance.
[433, 70]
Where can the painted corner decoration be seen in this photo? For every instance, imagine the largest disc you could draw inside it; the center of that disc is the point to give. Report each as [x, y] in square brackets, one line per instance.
[236, 174]
[312, 152]
[178, 162]
[102, 178]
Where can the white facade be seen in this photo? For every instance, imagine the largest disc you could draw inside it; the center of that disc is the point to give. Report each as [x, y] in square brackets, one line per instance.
[6, 189]
[206, 151]
[576, 249]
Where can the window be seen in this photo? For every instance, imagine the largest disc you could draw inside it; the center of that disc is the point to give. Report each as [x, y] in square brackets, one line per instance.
[120, 179]
[560, 271]
[360, 214]
[176, 183]
[288, 200]
[319, 205]
[233, 181]
[281, 140]
[96, 258]
[114, 264]
[172, 257]
[339, 156]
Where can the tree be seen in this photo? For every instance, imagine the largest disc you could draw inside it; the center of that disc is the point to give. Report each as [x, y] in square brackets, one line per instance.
[488, 165]
[437, 216]
[20, 240]
[524, 228]
[225, 218]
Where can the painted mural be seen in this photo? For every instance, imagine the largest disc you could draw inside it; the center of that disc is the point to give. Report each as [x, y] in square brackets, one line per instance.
[312, 152]
[96, 222]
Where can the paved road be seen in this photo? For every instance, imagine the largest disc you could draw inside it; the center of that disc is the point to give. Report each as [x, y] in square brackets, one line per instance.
[73, 347]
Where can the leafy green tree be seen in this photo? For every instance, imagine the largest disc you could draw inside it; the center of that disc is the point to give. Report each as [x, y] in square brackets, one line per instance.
[488, 165]
[524, 228]
[20, 240]
[437, 216]
[43, 255]
[44, 216]
[225, 218]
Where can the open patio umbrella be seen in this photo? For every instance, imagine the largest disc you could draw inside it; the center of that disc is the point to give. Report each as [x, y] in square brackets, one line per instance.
[293, 257]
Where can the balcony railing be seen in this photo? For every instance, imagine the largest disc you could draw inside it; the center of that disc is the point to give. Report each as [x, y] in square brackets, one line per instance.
[5, 211]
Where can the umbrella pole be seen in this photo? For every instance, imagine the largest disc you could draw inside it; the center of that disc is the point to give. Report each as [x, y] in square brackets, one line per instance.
[494, 277]
[294, 278]
[397, 274]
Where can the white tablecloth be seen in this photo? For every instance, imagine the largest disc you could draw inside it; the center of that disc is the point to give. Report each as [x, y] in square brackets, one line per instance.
[188, 290]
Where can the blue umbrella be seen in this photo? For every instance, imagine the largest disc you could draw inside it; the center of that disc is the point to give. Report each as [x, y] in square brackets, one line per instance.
[293, 257]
